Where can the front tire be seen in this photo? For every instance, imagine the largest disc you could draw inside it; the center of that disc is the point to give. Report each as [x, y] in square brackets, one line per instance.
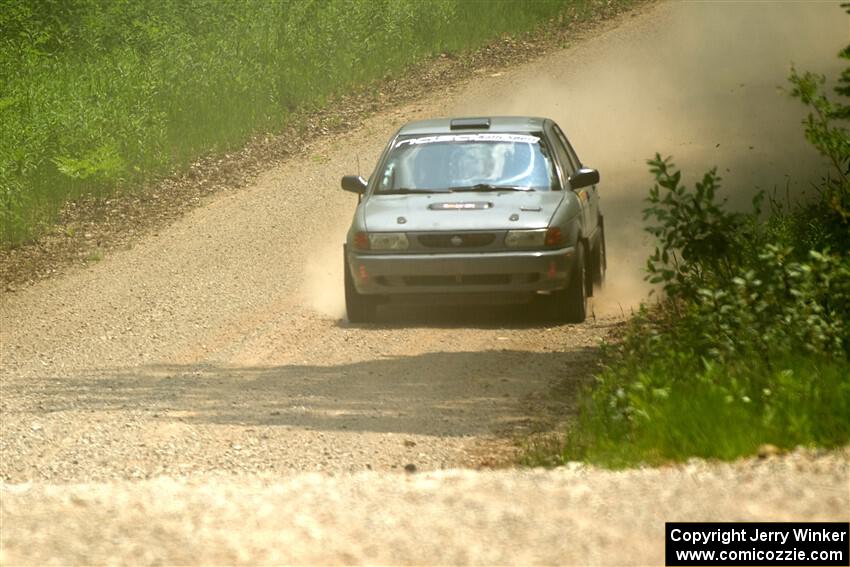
[600, 258]
[572, 302]
[359, 308]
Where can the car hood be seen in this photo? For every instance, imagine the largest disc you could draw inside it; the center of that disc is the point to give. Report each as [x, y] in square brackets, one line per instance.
[460, 211]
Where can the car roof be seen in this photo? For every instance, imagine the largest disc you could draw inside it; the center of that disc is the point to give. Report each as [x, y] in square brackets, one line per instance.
[498, 124]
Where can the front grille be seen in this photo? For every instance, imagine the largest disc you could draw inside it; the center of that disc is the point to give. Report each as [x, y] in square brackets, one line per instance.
[463, 240]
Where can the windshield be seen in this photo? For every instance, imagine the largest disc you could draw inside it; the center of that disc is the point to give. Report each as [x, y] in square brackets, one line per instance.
[468, 162]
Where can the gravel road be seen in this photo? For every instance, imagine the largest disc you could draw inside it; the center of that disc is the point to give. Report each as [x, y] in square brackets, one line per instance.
[569, 516]
[197, 398]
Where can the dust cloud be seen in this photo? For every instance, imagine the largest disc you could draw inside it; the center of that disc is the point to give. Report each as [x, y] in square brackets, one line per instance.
[702, 82]
[323, 289]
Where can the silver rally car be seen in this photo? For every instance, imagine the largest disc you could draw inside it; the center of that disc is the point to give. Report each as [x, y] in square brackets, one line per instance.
[495, 209]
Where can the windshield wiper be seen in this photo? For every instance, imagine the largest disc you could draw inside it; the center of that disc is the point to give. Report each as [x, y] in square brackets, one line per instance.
[405, 191]
[489, 187]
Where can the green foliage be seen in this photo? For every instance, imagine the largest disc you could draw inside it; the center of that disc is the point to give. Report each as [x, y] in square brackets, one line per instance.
[750, 345]
[103, 161]
[826, 129]
[697, 240]
[735, 290]
[672, 408]
[96, 94]
[751, 342]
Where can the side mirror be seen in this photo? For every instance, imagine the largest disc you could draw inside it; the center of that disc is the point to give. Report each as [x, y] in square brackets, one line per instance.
[354, 184]
[584, 177]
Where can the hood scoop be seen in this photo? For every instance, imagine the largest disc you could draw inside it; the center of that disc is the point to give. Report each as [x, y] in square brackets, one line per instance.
[467, 206]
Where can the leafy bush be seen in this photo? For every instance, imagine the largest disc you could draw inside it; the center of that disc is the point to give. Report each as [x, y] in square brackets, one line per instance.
[731, 289]
[826, 129]
[698, 242]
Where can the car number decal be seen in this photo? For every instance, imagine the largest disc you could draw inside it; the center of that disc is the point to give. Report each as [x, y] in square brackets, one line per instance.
[472, 205]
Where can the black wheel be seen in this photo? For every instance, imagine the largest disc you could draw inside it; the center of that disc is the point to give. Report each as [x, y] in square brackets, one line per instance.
[600, 259]
[358, 308]
[571, 303]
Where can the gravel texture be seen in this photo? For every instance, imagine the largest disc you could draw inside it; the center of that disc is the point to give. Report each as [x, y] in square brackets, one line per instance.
[573, 515]
[197, 398]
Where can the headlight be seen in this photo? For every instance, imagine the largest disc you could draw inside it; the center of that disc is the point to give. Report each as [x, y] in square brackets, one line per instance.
[534, 238]
[525, 238]
[388, 241]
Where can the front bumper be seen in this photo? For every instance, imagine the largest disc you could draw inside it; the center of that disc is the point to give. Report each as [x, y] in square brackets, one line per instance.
[509, 272]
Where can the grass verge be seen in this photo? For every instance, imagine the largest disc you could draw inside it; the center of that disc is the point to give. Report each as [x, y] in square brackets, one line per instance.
[691, 412]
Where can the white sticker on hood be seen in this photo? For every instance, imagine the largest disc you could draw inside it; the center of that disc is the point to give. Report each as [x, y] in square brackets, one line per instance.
[515, 138]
